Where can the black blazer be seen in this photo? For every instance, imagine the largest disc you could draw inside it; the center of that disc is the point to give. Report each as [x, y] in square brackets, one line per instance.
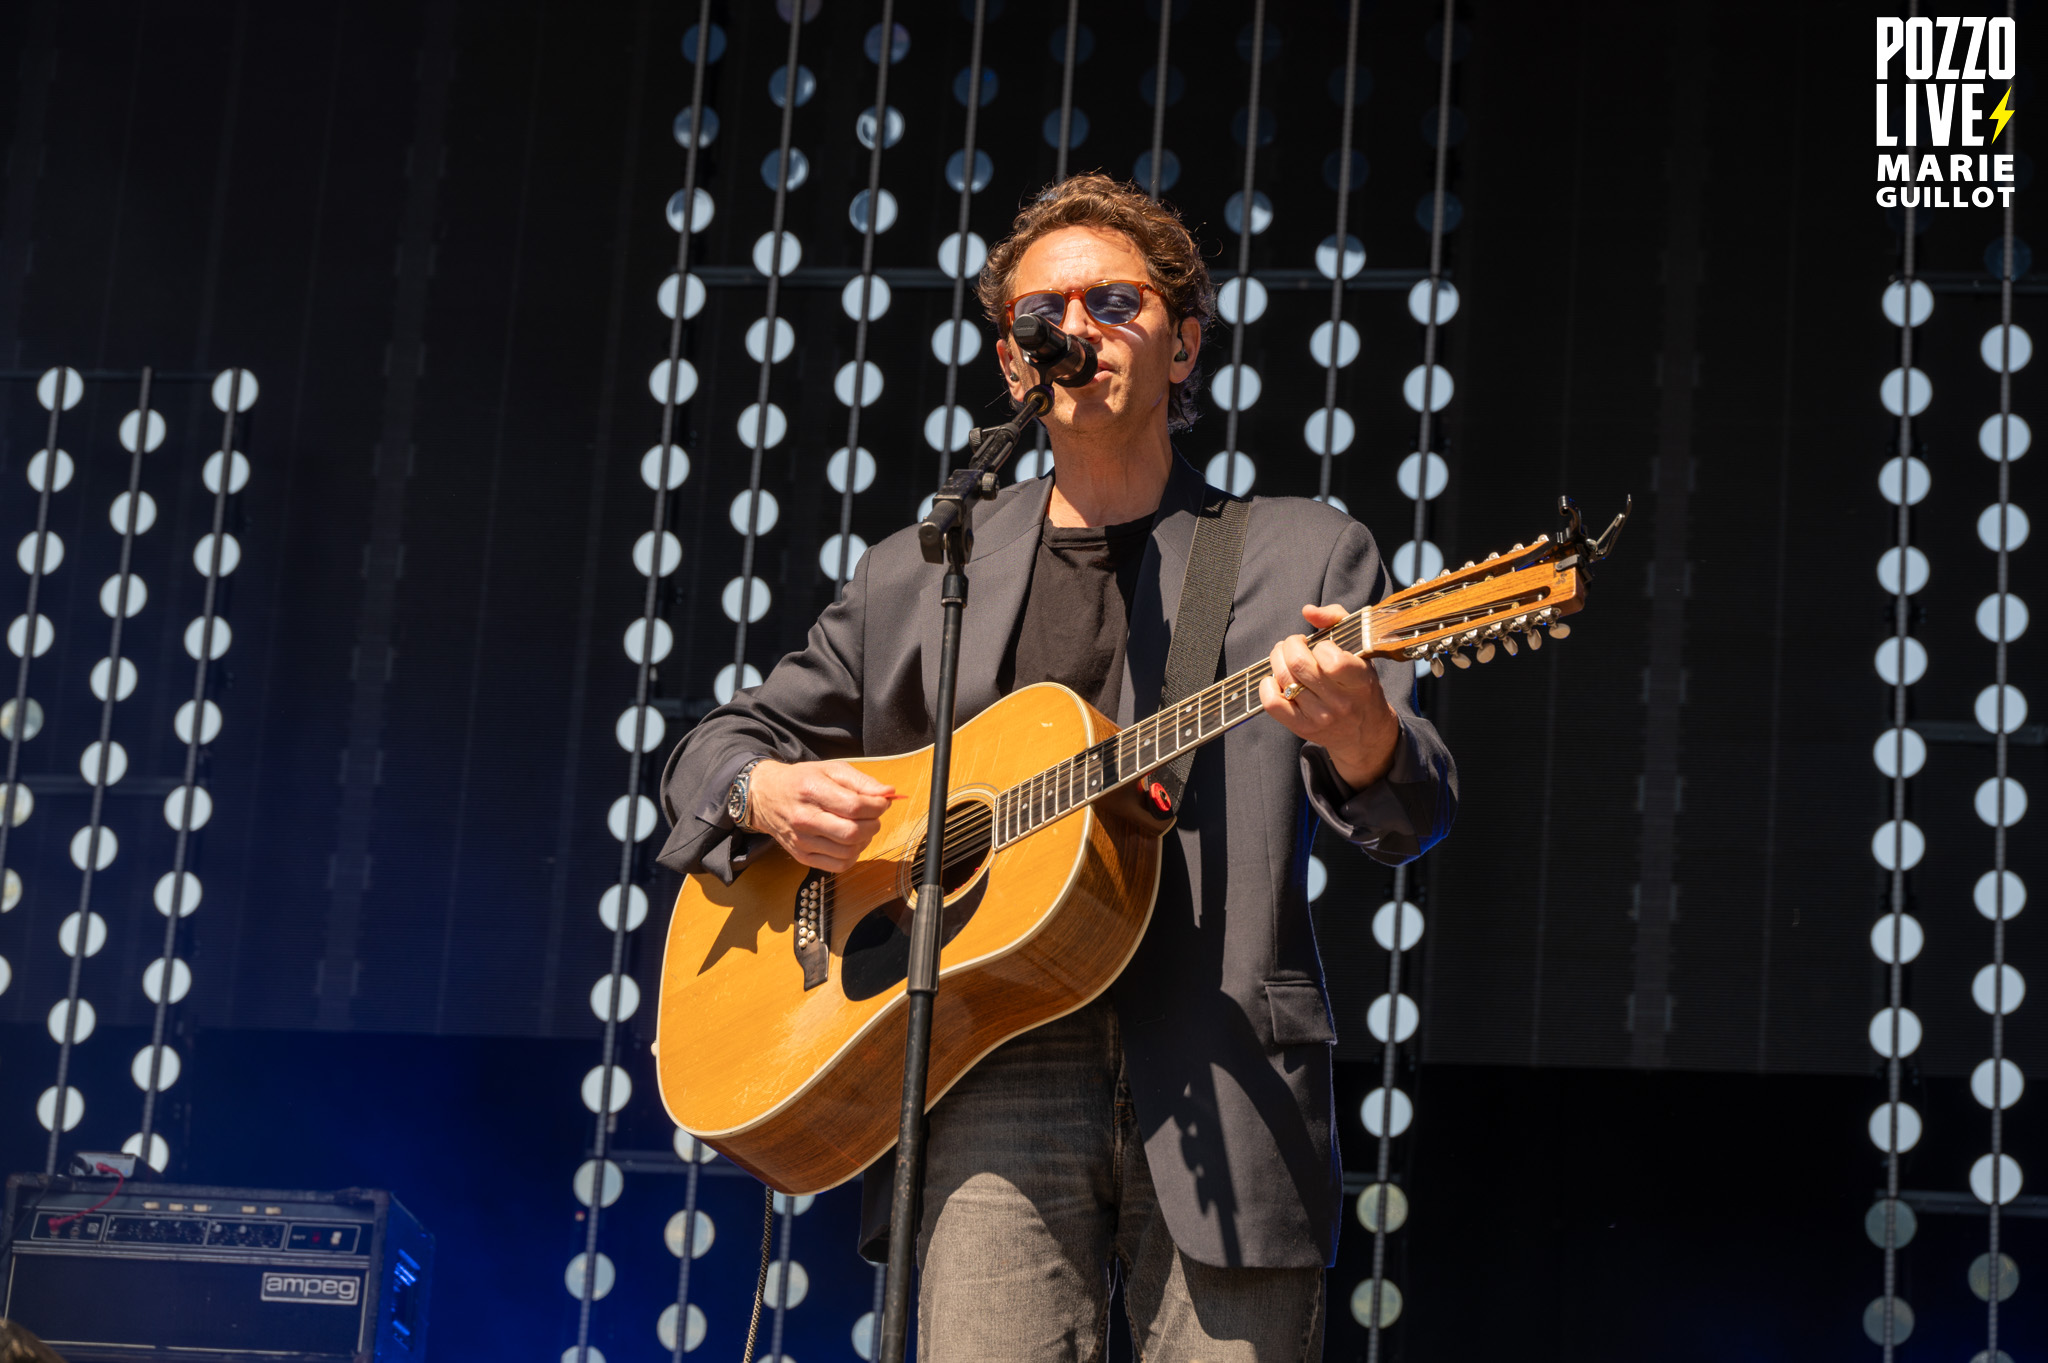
[1225, 1024]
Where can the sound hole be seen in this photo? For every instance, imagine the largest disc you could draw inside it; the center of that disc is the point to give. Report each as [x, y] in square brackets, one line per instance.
[877, 952]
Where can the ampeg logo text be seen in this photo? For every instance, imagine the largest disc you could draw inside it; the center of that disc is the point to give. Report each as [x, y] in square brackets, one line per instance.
[1944, 83]
[332, 1289]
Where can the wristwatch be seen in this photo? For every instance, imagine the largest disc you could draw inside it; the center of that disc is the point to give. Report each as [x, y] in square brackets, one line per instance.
[738, 795]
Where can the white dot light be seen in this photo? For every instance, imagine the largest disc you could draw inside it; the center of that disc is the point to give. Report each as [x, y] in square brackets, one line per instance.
[2003, 531]
[1236, 385]
[1407, 1018]
[215, 635]
[601, 996]
[644, 817]
[770, 432]
[145, 514]
[1898, 845]
[2008, 1179]
[189, 900]
[1329, 430]
[636, 908]
[1440, 387]
[1376, 1109]
[1999, 355]
[1908, 1027]
[600, 1281]
[951, 259]
[967, 335]
[682, 373]
[638, 645]
[2001, 709]
[1235, 472]
[642, 722]
[1383, 926]
[2001, 802]
[2010, 1083]
[1905, 929]
[38, 467]
[2002, 625]
[1999, 891]
[238, 478]
[239, 383]
[1888, 658]
[593, 1083]
[1894, 390]
[757, 335]
[764, 511]
[654, 466]
[1253, 294]
[167, 1069]
[870, 383]
[153, 980]
[722, 687]
[863, 470]
[1908, 1126]
[878, 297]
[1906, 479]
[1895, 302]
[829, 551]
[585, 1182]
[209, 728]
[758, 598]
[2018, 436]
[765, 254]
[1446, 301]
[1347, 344]
[53, 551]
[1899, 752]
[940, 433]
[105, 850]
[1415, 484]
[643, 554]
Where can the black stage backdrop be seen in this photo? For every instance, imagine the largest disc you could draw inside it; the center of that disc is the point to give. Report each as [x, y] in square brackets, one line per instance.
[435, 233]
[321, 192]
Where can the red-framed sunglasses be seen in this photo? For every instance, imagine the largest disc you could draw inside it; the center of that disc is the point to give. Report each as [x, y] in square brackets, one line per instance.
[1111, 302]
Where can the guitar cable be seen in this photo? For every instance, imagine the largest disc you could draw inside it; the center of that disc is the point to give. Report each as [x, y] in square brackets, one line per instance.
[761, 1279]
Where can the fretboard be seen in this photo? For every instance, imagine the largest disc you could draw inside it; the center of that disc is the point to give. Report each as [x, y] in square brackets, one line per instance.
[1149, 744]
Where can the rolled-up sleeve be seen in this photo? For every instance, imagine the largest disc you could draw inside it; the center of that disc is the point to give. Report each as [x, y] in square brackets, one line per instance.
[1409, 810]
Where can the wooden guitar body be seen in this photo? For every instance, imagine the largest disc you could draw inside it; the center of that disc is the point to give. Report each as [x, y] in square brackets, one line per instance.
[786, 1055]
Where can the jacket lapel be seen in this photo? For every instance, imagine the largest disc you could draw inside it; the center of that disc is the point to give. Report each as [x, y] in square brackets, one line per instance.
[1157, 600]
[999, 574]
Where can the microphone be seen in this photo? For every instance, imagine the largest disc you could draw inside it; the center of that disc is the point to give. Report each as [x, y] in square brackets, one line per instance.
[1065, 360]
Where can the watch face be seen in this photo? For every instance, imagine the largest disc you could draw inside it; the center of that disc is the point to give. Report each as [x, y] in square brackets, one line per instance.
[735, 801]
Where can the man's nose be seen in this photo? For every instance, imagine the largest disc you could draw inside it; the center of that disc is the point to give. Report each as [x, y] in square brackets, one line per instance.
[1077, 321]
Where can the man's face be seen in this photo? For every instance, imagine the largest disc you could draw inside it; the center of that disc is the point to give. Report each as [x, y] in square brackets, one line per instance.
[1136, 364]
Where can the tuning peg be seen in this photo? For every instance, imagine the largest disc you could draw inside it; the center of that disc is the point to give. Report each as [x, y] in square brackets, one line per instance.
[1468, 564]
[1519, 546]
[1496, 554]
[1535, 637]
[1560, 630]
[1485, 653]
[1507, 642]
[1436, 667]
[1459, 660]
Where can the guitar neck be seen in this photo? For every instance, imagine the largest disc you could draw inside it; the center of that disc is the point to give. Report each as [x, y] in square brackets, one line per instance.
[1152, 742]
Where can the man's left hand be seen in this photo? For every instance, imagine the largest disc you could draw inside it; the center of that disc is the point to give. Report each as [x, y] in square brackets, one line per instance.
[1339, 704]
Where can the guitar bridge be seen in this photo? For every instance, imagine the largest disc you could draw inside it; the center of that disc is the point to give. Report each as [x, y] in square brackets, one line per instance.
[813, 928]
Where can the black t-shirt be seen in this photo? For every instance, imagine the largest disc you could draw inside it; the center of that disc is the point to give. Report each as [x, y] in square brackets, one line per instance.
[1077, 613]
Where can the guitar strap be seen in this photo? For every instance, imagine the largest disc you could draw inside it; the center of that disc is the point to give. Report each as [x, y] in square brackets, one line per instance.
[1205, 596]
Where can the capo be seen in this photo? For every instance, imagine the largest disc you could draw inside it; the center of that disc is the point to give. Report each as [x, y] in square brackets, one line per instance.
[1574, 534]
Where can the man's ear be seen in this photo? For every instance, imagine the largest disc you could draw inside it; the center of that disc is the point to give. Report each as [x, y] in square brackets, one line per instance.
[1189, 352]
[1006, 363]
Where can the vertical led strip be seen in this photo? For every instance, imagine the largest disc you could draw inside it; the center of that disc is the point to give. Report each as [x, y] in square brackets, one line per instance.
[1244, 300]
[1155, 176]
[188, 808]
[1898, 844]
[1428, 387]
[1060, 126]
[623, 908]
[859, 383]
[961, 256]
[2001, 801]
[769, 340]
[1393, 1018]
[31, 634]
[103, 763]
[1335, 343]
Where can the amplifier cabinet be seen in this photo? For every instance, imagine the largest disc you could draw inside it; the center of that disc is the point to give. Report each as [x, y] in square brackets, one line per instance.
[215, 1275]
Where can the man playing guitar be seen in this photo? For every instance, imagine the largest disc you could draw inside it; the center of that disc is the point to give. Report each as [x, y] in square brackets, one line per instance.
[1179, 1129]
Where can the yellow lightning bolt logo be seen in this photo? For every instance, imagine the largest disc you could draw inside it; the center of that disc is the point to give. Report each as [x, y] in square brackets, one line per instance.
[2002, 114]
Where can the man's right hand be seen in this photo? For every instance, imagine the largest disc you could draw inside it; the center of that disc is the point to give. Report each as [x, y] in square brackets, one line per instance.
[822, 813]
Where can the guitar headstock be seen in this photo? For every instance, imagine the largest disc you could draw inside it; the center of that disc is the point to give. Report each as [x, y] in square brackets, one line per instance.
[1465, 614]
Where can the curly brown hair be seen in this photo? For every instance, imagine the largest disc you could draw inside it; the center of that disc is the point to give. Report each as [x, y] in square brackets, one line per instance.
[1172, 259]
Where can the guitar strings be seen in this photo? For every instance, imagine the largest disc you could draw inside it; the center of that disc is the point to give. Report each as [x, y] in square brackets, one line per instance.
[968, 834]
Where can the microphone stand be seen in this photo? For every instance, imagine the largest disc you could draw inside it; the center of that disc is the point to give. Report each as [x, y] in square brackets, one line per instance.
[947, 536]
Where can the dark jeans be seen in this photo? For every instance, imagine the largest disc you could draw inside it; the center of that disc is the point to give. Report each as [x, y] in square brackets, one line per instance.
[1036, 1188]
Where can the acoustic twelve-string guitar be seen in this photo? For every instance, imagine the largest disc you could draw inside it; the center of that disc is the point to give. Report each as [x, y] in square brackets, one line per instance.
[780, 1038]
